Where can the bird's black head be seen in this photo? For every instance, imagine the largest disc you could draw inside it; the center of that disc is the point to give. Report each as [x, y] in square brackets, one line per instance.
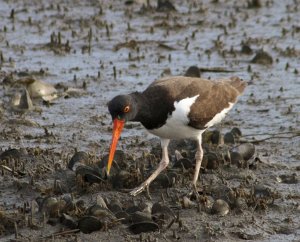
[123, 107]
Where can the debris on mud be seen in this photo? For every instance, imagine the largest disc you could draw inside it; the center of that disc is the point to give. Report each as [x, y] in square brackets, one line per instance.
[60, 63]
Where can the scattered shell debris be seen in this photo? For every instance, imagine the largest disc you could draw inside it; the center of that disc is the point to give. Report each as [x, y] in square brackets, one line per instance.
[62, 61]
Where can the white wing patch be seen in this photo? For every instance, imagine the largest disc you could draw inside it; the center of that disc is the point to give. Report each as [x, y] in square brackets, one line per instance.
[182, 109]
[176, 126]
[218, 117]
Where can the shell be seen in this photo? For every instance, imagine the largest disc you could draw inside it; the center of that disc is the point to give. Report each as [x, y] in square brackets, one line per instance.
[288, 179]
[89, 174]
[162, 180]
[161, 212]
[121, 179]
[13, 154]
[220, 207]
[211, 161]
[143, 227]
[119, 160]
[187, 203]
[132, 209]
[69, 221]
[78, 158]
[123, 215]
[89, 224]
[115, 207]
[22, 101]
[101, 213]
[240, 204]
[261, 191]
[184, 162]
[229, 138]
[237, 133]
[216, 137]
[138, 217]
[100, 201]
[52, 207]
[246, 150]
[236, 159]
[40, 89]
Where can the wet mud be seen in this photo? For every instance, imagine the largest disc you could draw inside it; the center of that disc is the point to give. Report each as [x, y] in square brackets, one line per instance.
[61, 62]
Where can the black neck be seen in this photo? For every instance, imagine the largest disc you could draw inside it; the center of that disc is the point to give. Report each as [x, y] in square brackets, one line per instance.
[151, 111]
[142, 107]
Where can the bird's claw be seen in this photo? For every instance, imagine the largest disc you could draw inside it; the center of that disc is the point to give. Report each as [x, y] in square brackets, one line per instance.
[138, 189]
[194, 191]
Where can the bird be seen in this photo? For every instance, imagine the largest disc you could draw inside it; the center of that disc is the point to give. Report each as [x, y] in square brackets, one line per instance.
[174, 107]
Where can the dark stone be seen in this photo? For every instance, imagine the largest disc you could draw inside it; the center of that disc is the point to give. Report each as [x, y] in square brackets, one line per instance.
[165, 6]
[262, 58]
[193, 71]
[143, 227]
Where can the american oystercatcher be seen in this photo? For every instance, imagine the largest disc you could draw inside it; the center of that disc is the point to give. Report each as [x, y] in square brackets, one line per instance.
[175, 107]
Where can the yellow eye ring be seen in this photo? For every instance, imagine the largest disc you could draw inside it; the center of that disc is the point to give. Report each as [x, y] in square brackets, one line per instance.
[126, 109]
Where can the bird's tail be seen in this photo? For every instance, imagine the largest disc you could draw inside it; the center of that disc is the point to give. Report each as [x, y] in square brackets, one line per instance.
[238, 84]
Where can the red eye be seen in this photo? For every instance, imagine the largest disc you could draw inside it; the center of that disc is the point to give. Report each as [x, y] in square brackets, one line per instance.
[126, 109]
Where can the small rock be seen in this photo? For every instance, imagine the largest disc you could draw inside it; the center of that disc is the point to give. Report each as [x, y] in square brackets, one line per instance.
[246, 49]
[254, 4]
[193, 71]
[165, 6]
[229, 138]
[262, 58]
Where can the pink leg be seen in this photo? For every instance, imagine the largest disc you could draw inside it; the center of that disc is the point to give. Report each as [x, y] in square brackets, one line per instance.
[198, 156]
[162, 165]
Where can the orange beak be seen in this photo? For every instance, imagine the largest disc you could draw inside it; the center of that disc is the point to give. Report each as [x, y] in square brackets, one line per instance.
[117, 129]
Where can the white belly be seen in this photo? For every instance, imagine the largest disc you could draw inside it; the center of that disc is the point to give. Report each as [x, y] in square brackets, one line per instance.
[172, 131]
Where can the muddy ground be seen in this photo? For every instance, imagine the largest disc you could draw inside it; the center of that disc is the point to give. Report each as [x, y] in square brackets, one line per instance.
[104, 48]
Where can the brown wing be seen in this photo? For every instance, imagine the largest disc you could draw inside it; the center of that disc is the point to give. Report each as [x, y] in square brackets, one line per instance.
[178, 87]
[214, 96]
[217, 98]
